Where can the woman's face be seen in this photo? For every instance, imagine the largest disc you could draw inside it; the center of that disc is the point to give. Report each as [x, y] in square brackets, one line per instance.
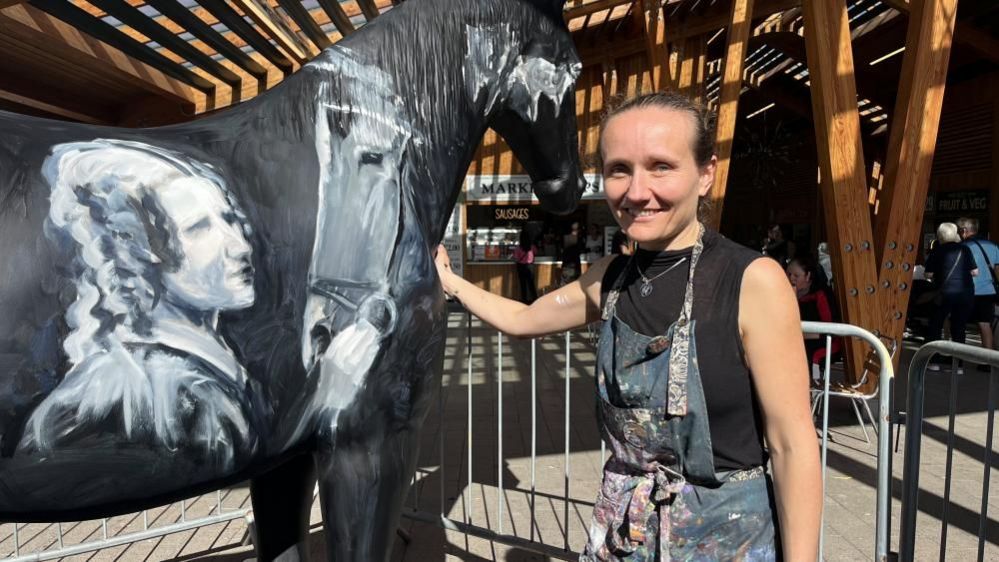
[800, 279]
[651, 177]
[215, 272]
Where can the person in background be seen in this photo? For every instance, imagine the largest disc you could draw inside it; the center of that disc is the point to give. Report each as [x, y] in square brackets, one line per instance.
[952, 269]
[777, 246]
[986, 255]
[571, 248]
[814, 305]
[594, 243]
[523, 255]
[620, 244]
[825, 261]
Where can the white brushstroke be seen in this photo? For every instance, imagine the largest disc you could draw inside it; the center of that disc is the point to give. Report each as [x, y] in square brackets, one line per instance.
[489, 50]
[492, 71]
[540, 77]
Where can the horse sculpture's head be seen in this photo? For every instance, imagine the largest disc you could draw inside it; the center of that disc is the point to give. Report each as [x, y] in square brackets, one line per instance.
[524, 72]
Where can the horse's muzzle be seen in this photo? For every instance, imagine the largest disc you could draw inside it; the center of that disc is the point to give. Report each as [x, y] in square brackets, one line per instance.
[560, 195]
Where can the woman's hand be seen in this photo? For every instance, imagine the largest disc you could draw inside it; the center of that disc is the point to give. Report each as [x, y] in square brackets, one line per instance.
[443, 263]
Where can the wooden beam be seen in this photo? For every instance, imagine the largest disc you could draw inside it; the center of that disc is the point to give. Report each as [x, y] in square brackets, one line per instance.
[339, 18]
[107, 33]
[718, 17]
[692, 66]
[966, 34]
[287, 41]
[248, 33]
[56, 110]
[142, 23]
[369, 9]
[609, 84]
[736, 45]
[911, 144]
[843, 182]
[303, 18]
[9, 3]
[654, 25]
[173, 10]
[597, 55]
[592, 8]
[984, 44]
[74, 48]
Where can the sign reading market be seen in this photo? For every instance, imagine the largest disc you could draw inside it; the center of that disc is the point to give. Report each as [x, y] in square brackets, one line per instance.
[518, 188]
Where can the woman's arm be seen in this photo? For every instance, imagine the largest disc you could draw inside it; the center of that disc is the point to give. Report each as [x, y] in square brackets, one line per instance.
[571, 306]
[771, 336]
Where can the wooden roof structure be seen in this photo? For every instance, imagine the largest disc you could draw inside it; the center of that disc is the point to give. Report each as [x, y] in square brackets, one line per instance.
[867, 76]
[147, 62]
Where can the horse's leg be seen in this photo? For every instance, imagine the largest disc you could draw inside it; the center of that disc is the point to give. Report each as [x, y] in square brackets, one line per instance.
[282, 502]
[362, 485]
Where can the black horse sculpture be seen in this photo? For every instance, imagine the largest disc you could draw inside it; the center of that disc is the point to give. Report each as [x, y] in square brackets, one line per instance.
[253, 295]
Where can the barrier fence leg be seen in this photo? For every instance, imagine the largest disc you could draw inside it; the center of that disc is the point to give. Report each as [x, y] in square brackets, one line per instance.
[984, 516]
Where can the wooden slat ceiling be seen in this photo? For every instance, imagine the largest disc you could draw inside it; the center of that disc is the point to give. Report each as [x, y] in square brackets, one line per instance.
[146, 62]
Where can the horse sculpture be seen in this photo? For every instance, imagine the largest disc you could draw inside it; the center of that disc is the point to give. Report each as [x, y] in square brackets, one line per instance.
[252, 295]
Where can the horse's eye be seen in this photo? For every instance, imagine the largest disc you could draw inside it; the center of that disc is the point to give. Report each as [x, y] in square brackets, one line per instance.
[374, 158]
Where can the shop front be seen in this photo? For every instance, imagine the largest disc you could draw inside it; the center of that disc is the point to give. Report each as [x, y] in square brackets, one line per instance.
[501, 212]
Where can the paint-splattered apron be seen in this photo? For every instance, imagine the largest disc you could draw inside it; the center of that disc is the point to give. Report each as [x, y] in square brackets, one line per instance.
[661, 498]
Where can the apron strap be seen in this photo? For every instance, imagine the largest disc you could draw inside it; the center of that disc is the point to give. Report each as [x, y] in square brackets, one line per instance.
[679, 359]
[611, 304]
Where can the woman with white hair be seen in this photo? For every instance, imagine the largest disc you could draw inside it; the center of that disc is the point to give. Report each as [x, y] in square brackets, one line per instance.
[158, 249]
[951, 267]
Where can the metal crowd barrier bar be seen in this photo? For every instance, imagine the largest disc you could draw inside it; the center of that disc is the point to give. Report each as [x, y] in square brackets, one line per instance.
[108, 540]
[498, 533]
[885, 379]
[914, 415]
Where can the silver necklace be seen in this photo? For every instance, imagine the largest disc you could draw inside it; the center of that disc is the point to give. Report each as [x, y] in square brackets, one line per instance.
[646, 288]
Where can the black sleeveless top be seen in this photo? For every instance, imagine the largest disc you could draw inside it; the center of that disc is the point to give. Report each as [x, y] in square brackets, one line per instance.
[733, 411]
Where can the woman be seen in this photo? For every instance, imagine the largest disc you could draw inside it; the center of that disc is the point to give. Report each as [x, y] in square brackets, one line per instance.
[951, 267]
[159, 250]
[813, 305]
[686, 478]
[523, 256]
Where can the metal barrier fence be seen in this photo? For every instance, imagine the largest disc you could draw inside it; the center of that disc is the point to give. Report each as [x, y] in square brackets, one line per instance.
[914, 417]
[885, 378]
[60, 544]
[499, 535]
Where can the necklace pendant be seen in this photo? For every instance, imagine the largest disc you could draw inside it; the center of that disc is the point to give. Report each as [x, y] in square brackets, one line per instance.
[646, 289]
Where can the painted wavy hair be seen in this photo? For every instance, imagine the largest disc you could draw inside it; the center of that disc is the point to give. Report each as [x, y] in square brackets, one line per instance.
[104, 209]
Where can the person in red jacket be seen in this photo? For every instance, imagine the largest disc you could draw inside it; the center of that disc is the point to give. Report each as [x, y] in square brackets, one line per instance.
[814, 304]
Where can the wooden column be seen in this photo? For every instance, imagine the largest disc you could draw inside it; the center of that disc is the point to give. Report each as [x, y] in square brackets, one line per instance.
[731, 86]
[841, 161]
[692, 66]
[911, 146]
[655, 40]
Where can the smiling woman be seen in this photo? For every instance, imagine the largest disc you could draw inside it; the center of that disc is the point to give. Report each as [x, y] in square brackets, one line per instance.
[700, 369]
[159, 249]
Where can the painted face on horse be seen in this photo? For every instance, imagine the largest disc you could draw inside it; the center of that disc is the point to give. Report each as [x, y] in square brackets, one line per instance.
[214, 271]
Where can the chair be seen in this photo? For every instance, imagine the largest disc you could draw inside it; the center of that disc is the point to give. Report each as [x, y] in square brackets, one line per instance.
[872, 364]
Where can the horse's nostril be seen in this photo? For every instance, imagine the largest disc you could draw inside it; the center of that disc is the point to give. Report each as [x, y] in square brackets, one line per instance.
[321, 338]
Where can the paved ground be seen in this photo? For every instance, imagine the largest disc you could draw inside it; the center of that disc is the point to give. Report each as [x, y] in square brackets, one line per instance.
[443, 485]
